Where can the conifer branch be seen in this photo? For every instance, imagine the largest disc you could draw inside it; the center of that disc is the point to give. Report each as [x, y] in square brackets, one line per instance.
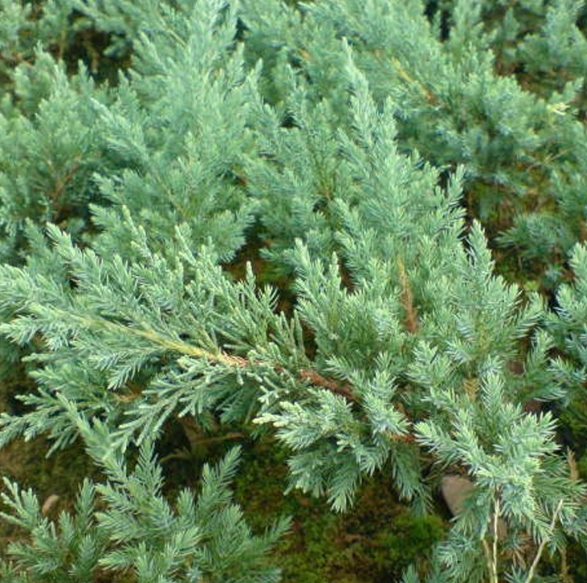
[317, 380]
[491, 553]
[412, 324]
[495, 538]
[172, 345]
[236, 362]
[405, 76]
[488, 559]
[543, 543]
[63, 183]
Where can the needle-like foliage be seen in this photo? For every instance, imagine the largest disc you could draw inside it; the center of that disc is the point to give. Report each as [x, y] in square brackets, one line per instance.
[357, 153]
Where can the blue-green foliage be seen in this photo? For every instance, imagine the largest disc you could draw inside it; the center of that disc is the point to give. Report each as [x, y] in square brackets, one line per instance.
[135, 529]
[50, 148]
[351, 141]
[180, 124]
[453, 104]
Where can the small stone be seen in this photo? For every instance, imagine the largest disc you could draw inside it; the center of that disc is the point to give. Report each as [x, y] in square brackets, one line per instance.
[455, 490]
[49, 503]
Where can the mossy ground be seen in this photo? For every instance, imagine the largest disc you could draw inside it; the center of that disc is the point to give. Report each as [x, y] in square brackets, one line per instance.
[372, 543]
[59, 475]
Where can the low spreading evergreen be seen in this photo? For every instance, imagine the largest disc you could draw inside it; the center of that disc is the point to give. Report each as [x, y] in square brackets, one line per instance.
[351, 230]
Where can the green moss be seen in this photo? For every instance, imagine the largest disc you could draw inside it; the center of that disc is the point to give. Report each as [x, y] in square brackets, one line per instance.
[60, 474]
[408, 539]
[582, 467]
[373, 543]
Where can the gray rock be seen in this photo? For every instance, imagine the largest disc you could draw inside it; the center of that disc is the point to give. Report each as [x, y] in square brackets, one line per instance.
[455, 490]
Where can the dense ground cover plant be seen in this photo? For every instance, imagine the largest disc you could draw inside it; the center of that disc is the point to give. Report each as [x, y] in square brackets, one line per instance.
[354, 152]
